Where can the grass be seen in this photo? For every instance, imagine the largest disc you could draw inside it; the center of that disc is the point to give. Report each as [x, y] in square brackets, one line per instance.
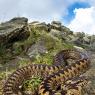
[5, 54]
[23, 62]
[32, 84]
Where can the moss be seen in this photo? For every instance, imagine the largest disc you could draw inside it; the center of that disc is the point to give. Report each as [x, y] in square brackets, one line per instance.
[34, 36]
[48, 59]
[32, 84]
[17, 48]
[2, 50]
[48, 40]
[2, 75]
[5, 54]
[68, 46]
[23, 62]
[44, 59]
[5, 74]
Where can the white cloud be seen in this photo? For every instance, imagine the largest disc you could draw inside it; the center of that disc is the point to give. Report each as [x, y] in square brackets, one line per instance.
[42, 10]
[84, 20]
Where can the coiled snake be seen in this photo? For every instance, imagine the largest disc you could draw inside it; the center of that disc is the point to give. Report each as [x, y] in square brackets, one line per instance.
[53, 76]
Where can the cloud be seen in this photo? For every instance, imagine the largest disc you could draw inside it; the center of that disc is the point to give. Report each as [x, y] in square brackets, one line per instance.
[42, 10]
[84, 20]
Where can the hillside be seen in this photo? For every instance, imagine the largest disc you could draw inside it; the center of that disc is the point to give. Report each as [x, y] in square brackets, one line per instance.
[22, 43]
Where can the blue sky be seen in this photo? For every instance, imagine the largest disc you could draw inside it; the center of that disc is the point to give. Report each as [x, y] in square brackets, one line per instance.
[78, 15]
[71, 8]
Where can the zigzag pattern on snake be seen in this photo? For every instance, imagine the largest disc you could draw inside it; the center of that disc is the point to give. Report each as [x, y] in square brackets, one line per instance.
[57, 73]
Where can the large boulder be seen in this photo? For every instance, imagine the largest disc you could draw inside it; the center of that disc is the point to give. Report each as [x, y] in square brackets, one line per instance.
[40, 26]
[56, 25]
[86, 40]
[14, 30]
[55, 33]
[36, 49]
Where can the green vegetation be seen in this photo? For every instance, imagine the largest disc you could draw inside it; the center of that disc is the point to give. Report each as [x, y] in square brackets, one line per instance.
[17, 48]
[31, 84]
[23, 62]
[44, 59]
[5, 54]
[2, 75]
[53, 44]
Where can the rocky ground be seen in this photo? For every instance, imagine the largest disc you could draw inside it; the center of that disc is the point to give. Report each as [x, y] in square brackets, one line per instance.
[90, 75]
[22, 42]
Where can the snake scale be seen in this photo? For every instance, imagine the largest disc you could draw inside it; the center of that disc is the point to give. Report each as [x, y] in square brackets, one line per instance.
[53, 75]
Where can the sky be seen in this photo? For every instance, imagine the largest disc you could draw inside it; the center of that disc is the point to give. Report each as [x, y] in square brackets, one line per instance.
[78, 15]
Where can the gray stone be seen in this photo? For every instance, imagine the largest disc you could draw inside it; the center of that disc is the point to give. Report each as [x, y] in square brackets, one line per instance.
[38, 25]
[55, 32]
[36, 49]
[34, 23]
[86, 40]
[80, 49]
[92, 46]
[14, 30]
[56, 23]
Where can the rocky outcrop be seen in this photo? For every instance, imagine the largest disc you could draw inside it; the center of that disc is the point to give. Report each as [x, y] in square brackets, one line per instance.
[14, 30]
[86, 40]
[57, 30]
[40, 26]
[56, 25]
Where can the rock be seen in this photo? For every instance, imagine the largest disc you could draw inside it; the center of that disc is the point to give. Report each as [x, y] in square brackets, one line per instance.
[14, 30]
[34, 23]
[86, 40]
[18, 20]
[80, 34]
[56, 25]
[36, 49]
[55, 32]
[92, 38]
[12, 64]
[92, 46]
[77, 41]
[71, 37]
[66, 30]
[60, 34]
[39, 26]
[90, 74]
[80, 49]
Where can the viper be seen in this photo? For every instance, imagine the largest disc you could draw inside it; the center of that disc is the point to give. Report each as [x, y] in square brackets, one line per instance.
[53, 76]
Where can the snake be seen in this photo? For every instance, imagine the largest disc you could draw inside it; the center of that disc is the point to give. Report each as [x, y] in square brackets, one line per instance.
[53, 76]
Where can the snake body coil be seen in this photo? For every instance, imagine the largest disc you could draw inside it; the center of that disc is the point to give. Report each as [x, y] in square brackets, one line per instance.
[57, 73]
